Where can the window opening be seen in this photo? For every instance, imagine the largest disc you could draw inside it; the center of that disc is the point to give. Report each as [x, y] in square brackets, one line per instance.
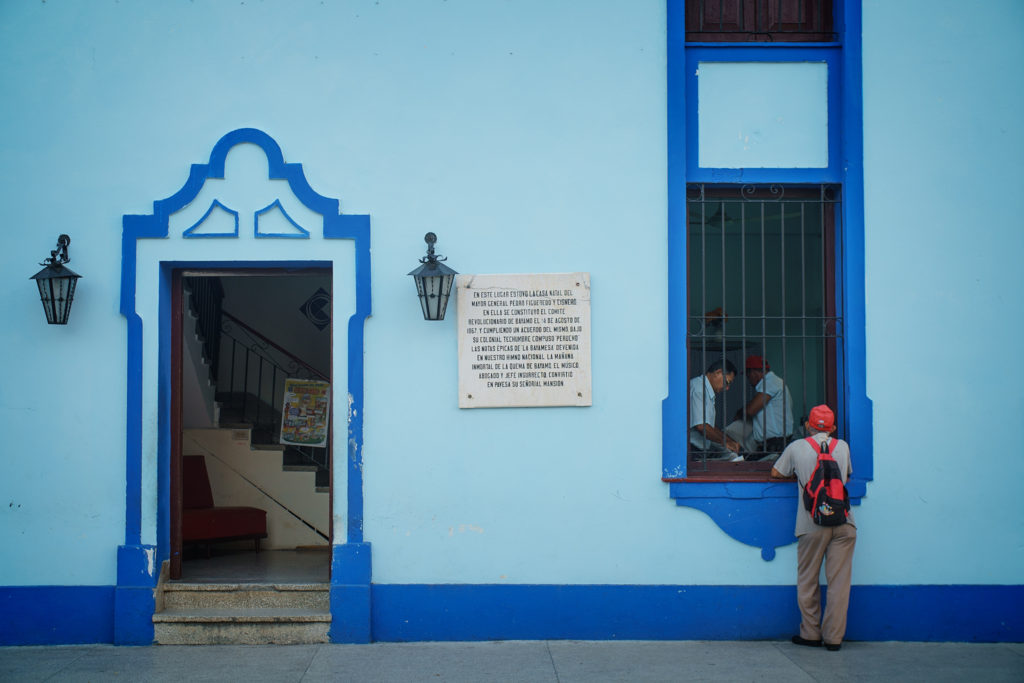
[741, 21]
[762, 326]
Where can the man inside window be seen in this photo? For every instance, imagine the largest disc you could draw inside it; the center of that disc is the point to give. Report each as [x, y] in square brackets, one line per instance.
[770, 409]
[704, 436]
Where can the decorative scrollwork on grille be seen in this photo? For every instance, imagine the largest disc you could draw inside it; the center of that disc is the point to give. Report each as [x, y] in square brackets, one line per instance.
[757, 192]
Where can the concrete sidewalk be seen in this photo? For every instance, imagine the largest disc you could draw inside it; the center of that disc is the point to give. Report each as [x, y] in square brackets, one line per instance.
[542, 661]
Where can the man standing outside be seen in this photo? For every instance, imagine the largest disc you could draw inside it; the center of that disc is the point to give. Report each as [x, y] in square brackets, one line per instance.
[834, 544]
[704, 436]
[770, 410]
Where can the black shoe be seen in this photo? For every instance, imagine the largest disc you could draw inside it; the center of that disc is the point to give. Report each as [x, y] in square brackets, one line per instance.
[833, 647]
[797, 640]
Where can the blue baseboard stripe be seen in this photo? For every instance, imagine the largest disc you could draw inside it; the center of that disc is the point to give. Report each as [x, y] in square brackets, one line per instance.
[53, 615]
[498, 612]
[56, 615]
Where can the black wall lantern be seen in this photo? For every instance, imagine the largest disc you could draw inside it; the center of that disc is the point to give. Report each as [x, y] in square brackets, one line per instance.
[57, 283]
[433, 282]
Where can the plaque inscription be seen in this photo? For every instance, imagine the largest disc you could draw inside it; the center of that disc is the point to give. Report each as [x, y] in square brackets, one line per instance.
[524, 340]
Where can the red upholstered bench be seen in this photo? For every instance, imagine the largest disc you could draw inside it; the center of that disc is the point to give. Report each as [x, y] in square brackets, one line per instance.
[202, 522]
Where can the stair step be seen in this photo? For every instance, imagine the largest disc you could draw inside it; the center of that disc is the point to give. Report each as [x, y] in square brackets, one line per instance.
[300, 468]
[256, 615]
[243, 614]
[210, 627]
[246, 596]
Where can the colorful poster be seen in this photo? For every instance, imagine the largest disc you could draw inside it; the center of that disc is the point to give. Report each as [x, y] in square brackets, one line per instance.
[305, 413]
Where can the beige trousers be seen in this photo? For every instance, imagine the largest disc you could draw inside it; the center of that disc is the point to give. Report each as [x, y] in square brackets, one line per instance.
[834, 545]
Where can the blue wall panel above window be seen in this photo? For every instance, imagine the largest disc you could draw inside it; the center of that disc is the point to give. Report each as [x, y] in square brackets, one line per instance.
[762, 114]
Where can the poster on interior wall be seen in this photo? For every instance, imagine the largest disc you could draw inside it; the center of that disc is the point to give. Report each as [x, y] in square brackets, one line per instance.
[305, 412]
[524, 340]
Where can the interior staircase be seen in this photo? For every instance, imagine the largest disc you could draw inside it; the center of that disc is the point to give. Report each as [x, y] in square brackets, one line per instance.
[242, 614]
[237, 411]
[245, 374]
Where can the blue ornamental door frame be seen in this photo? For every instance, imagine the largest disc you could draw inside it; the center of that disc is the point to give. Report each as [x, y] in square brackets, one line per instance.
[153, 246]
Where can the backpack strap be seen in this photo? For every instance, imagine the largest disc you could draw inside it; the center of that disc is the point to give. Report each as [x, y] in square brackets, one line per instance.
[821, 449]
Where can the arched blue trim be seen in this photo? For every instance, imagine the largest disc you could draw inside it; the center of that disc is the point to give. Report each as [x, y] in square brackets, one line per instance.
[139, 564]
[301, 234]
[275, 160]
[191, 232]
[761, 513]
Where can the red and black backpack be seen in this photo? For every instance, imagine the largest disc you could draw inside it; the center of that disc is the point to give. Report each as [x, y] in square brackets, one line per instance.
[825, 495]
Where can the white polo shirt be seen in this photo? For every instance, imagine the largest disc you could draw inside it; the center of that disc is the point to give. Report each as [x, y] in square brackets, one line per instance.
[776, 418]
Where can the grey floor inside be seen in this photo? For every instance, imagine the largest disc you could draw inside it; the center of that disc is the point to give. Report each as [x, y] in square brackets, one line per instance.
[227, 565]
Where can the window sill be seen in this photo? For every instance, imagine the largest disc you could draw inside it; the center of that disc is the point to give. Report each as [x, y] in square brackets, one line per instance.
[717, 470]
[758, 512]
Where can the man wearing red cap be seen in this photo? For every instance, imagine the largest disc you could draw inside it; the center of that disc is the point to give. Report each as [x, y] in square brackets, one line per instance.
[770, 410]
[833, 544]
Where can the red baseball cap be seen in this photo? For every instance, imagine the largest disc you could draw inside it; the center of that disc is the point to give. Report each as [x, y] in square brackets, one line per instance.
[757, 363]
[822, 418]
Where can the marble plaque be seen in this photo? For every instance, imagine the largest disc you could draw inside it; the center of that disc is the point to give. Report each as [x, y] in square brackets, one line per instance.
[524, 340]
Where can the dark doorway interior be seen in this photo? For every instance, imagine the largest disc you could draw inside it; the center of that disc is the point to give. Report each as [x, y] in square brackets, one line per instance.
[241, 338]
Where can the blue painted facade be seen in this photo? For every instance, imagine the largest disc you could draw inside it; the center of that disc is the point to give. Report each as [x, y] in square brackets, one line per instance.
[530, 138]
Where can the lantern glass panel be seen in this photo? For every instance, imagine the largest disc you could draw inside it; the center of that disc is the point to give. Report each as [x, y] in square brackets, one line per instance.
[432, 298]
[56, 294]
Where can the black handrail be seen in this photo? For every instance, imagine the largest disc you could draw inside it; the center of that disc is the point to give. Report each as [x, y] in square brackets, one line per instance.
[291, 356]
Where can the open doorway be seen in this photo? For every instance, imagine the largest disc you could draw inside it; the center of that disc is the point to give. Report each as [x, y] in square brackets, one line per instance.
[250, 454]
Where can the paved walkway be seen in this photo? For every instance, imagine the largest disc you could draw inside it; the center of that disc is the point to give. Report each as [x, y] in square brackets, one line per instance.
[528, 661]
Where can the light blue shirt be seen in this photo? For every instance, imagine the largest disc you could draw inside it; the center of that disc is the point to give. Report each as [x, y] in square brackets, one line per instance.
[776, 418]
[702, 410]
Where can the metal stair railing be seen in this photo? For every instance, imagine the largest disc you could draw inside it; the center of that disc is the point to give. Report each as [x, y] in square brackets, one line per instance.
[252, 371]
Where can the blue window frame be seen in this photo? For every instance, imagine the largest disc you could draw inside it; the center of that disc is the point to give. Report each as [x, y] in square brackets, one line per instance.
[760, 512]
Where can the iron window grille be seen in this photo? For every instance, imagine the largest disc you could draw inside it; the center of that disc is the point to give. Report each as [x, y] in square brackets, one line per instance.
[761, 280]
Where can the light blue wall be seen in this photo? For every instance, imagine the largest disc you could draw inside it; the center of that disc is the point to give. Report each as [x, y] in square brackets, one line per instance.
[530, 137]
[526, 145]
[943, 144]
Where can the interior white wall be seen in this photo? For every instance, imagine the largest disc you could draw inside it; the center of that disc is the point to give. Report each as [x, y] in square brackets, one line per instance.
[243, 476]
